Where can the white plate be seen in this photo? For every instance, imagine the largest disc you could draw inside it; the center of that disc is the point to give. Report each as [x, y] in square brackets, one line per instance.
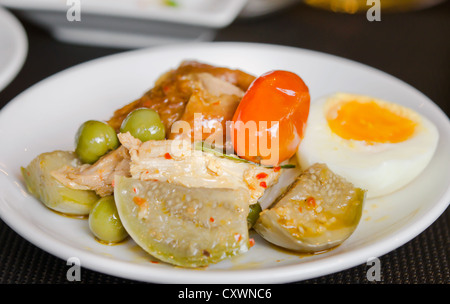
[129, 23]
[46, 117]
[13, 47]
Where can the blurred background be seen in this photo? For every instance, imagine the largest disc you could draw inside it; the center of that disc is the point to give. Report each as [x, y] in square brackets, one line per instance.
[39, 38]
[140, 23]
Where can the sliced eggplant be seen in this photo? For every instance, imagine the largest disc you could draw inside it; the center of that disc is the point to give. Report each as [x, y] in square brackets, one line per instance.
[41, 184]
[180, 225]
[317, 212]
[253, 214]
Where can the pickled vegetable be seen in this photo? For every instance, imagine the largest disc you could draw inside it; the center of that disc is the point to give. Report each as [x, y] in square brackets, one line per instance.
[52, 193]
[144, 124]
[319, 211]
[104, 221]
[94, 139]
[253, 214]
[183, 226]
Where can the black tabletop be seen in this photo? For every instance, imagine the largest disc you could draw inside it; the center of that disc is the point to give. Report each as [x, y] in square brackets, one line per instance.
[413, 46]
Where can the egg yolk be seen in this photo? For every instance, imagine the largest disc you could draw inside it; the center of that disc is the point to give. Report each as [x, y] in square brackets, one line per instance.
[370, 122]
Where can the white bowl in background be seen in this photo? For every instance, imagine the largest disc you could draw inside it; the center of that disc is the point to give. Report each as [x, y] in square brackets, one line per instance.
[257, 8]
[129, 23]
[13, 47]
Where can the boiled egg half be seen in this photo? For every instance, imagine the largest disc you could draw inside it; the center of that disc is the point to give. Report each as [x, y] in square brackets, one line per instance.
[377, 145]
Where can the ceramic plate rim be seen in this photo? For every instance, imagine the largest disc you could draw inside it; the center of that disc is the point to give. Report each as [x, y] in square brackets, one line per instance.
[278, 274]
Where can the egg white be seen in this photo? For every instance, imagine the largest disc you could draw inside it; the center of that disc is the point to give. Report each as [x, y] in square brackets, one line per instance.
[380, 168]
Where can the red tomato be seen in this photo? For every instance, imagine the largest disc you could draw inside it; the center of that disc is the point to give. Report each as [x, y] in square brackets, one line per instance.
[269, 122]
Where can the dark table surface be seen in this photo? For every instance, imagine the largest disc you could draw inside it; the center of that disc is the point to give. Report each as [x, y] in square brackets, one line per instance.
[413, 46]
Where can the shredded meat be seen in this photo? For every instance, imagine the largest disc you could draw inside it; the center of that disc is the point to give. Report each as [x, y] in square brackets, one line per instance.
[212, 104]
[175, 161]
[174, 89]
[98, 176]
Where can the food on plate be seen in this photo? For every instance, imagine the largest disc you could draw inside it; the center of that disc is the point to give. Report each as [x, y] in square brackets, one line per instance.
[186, 226]
[271, 117]
[174, 89]
[169, 170]
[93, 140]
[375, 144]
[317, 212]
[287, 177]
[253, 214]
[211, 105]
[41, 184]
[144, 124]
[176, 161]
[97, 177]
[105, 223]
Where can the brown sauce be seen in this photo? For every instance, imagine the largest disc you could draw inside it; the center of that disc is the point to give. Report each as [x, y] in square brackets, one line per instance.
[300, 255]
[74, 216]
[111, 243]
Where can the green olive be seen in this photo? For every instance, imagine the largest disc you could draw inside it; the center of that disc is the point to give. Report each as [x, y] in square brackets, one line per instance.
[94, 139]
[104, 221]
[144, 124]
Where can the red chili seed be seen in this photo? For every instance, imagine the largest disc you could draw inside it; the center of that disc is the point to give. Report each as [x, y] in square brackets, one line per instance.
[311, 202]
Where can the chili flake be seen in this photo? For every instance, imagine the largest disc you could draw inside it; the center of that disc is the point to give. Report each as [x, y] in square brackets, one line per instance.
[261, 175]
[311, 202]
[139, 200]
[167, 156]
[263, 184]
